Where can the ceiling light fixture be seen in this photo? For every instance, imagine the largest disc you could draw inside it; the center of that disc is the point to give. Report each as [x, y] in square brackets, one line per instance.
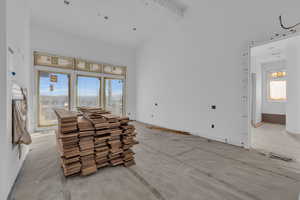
[106, 17]
[66, 2]
[134, 29]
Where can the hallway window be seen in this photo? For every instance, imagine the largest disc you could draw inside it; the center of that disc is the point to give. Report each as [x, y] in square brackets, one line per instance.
[278, 90]
[277, 86]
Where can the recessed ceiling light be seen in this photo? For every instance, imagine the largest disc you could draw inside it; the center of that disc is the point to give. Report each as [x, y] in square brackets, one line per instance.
[66, 2]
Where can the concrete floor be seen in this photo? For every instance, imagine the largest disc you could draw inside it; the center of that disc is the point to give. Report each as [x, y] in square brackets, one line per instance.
[169, 166]
[274, 138]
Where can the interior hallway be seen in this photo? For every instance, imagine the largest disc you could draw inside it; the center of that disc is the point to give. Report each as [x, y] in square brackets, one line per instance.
[169, 166]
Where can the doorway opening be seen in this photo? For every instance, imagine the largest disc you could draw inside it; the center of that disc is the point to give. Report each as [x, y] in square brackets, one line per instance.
[114, 95]
[274, 83]
[88, 91]
[53, 92]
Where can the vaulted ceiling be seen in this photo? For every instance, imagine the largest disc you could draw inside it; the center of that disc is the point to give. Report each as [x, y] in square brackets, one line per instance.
[122, 22]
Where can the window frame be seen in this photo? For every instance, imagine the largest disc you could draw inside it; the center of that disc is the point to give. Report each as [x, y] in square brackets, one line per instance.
[73, 84]
[269, 79]
[100, 88]
[123, 92]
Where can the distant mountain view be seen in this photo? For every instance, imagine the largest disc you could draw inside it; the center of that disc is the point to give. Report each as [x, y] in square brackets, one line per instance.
[114, 104]
[47, 104]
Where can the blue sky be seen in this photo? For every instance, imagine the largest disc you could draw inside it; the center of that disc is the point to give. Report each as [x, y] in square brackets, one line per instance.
[116, 86]
[88, 86]
[60, 88]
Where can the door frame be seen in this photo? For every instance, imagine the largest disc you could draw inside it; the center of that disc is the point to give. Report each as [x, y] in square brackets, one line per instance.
[90, 76]
[250, 90]
[123, 92]
[73, 89]
[38, 94]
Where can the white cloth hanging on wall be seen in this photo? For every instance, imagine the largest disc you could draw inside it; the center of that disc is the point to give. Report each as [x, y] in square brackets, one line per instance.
[20, 132]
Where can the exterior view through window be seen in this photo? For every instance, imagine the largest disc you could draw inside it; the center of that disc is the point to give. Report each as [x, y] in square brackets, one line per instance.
[278, 90]
[88, 91]
[53, 93]
[114, 95]
[277, 86]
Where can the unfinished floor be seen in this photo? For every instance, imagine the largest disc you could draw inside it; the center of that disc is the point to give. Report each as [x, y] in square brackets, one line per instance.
[169, 166]
[273, 138]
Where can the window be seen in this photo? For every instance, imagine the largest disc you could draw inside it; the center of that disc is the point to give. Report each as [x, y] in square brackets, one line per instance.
[278, 90]
[67, 82]
[114, 93]
[53, 93]
[277, 86]
[88, 91]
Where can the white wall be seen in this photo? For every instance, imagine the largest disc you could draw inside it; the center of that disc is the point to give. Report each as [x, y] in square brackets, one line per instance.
[60, 43]
[271, 107]
[257, 97]
[197, 63]
[293, 85]
[3, 100]
[14, 26]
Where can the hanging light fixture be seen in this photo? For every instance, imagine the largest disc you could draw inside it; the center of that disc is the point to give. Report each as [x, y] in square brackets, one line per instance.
[278, 74]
